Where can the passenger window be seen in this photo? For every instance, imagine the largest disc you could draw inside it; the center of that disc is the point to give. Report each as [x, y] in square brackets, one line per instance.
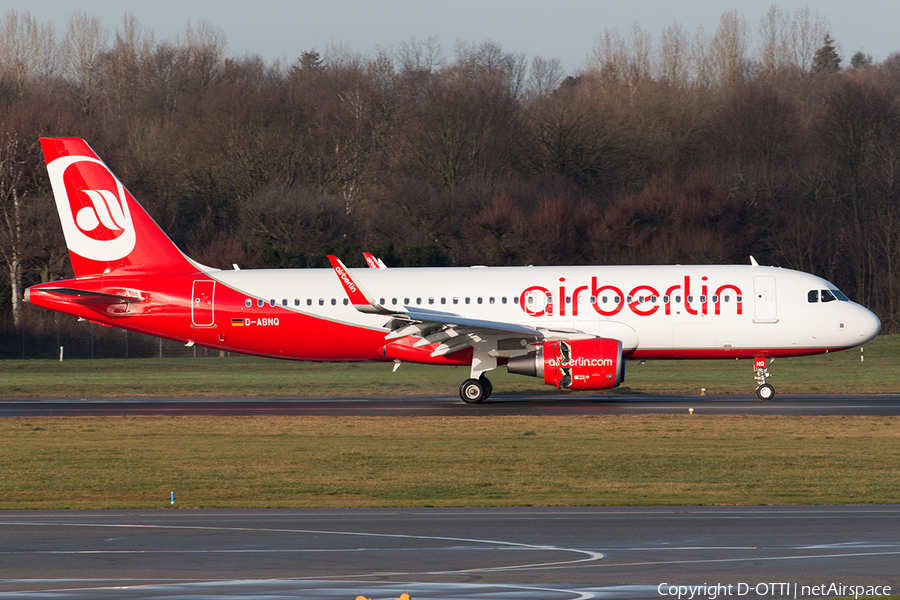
[479, 299]
[443, 301]
[431, 301]
[321, 301]
[491, 300]
[309, 301]
[346, 301]
[393, 301]
[455, 300]
[334, 301]
[284, 301]
[515, 299]
[296, 301]
[827, 296]
[260, 303]
[468, 300]
[272, 302]
[503, 300]
[812, 296]
[248, 302]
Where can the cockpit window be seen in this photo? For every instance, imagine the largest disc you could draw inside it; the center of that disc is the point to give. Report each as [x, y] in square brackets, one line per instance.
[827, 296]
[840, 295]
[812, 296]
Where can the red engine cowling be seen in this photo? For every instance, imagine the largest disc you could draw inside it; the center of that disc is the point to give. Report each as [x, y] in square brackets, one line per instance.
[594, 364]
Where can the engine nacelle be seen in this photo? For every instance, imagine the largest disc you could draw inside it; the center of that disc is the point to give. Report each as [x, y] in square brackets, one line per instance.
[594, 364]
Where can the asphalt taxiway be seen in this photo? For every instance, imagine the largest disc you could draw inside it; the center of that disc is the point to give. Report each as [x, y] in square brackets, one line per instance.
[501, 404]
[485, 553]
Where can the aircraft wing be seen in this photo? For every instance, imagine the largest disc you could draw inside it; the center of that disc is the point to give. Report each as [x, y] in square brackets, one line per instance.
[452, 332]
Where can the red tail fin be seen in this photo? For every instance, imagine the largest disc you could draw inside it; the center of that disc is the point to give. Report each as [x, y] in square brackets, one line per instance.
[106, 229]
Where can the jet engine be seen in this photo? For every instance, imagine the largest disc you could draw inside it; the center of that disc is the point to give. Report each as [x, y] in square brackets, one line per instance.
[594, 364]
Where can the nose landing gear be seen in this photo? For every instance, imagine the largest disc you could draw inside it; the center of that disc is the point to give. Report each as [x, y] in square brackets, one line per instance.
[764, 391]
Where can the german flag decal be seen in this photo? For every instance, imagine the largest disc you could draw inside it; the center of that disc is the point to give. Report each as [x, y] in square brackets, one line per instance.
[237, 322]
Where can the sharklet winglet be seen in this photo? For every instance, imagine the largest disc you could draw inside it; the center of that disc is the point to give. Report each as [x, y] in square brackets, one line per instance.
[359, 297]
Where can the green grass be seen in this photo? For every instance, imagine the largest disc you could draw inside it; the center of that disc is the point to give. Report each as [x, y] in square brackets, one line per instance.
[234, 462]
[840, 372]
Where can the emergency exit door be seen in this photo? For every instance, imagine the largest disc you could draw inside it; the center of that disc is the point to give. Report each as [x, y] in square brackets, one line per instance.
[764, 299]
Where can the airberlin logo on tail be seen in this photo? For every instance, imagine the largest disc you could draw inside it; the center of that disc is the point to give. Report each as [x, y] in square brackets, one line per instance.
[104, 210]
[92, 207]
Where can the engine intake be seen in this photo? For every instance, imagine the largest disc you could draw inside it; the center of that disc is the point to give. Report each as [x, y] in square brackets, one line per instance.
[594, 364]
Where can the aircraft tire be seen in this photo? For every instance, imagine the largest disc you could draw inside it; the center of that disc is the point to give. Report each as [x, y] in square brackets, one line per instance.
[488, 386]
[472, 391]
[765, 392]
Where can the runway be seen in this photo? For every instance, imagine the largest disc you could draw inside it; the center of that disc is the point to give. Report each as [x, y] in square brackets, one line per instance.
[502, 404]
[484, 553]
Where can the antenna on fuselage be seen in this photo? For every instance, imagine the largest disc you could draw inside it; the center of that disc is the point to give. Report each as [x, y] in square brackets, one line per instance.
[753, 262]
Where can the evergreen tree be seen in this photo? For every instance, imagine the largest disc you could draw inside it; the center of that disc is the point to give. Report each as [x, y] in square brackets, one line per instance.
[311, 60]
[860, 59]
[826, 59]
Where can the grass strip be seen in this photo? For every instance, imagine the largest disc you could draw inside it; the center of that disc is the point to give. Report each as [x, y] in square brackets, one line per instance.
[235, 462]
[841, 372]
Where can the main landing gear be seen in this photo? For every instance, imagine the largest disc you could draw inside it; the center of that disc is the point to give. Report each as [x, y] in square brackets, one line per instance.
[764, 391]
[474, 391]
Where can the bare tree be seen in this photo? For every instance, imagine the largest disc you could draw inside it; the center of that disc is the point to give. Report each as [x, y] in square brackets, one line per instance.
[673, 58]
[807, 31]
[420, 55]
[544, 77]
[774, 31]
[701, 59]
[205, 45]
[617, 59]
[13, 231]
[27, 51]
[608, 59]
[729, 49]
[80, 55]
[641, 43]
[125, 66]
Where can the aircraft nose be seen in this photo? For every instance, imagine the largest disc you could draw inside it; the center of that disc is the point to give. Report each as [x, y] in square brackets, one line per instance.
[868, 324]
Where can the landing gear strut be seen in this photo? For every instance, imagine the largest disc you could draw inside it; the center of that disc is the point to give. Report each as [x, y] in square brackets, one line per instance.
[764, 391]
[475, 391]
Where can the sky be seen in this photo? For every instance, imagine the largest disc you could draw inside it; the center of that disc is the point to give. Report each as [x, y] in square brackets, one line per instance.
[561, 29]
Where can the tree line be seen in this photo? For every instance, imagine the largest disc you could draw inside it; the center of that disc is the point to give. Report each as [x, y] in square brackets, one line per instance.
[755, 139]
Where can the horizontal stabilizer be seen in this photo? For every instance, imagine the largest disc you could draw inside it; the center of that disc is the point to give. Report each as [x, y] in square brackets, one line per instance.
[88, 297]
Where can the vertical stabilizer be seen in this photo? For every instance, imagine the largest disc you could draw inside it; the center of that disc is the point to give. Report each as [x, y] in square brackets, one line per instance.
[106, 229]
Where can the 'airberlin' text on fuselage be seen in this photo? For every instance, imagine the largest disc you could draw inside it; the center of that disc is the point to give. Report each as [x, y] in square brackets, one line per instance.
[643, 300]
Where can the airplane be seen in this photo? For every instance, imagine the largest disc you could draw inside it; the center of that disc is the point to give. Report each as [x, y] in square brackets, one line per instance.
[572, 326]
